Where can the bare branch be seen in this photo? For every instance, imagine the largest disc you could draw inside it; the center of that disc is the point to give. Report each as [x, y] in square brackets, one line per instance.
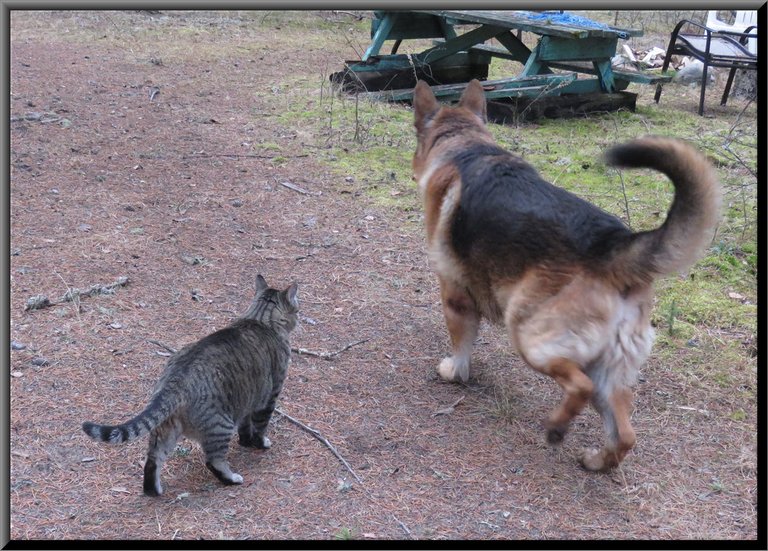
[161, 345]
[316, 434]
[240, 156]
[327, 355]
[403, 526]
[297, 189]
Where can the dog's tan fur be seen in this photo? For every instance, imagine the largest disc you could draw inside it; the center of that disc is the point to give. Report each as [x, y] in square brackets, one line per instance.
[578, 313]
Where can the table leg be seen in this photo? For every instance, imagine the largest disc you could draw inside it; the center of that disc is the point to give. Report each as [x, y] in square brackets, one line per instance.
[382, 33]
[605, 75]
[515, 47]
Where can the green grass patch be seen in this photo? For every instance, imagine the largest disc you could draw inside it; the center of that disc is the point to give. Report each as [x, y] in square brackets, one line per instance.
[702, 301]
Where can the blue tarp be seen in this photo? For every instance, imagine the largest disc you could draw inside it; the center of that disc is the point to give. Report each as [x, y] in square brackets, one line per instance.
[566, 18]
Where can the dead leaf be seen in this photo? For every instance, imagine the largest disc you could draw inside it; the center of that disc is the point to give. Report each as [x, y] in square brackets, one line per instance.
[736, 296]
[120, 489]
[21, 454]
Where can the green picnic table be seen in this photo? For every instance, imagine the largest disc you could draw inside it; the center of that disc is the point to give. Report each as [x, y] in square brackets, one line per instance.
[572, 55]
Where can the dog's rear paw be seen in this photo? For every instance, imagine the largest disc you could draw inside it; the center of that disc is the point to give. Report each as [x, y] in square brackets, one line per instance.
[453, 371]
[594, 460]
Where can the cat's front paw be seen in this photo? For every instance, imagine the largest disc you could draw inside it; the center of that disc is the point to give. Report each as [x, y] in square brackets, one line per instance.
[453, 371]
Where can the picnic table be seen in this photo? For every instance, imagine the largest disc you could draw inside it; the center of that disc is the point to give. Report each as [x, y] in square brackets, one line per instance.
[572, 55]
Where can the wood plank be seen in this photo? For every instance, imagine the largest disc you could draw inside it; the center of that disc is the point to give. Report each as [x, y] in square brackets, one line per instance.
[553, 48]
[406, 94]
[458, 44]
[518, 20]
[618, 74]
[515, 49]
[501, 88]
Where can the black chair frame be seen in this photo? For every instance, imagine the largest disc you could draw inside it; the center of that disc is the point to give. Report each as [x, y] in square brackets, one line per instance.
[713, 48]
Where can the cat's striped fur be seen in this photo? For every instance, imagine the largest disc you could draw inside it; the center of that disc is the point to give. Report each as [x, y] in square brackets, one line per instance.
[224, 383]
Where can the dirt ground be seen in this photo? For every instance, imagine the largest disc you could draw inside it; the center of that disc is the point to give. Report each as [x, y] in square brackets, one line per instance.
[170, 189]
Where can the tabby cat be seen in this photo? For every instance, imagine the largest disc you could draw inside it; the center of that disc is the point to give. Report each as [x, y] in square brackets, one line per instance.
[228, 381]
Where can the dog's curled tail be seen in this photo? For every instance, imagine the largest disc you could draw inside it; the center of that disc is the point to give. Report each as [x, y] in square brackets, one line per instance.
[692, 219]
[159, 409]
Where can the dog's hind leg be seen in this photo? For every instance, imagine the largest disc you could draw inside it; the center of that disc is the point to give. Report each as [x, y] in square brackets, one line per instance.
[462, 320]
[615, 407]
[578, 391]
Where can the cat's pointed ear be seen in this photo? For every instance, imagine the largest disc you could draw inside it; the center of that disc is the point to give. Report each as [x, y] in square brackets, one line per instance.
[425, 105]
[473, 99]
[261, 284]
[290, 294]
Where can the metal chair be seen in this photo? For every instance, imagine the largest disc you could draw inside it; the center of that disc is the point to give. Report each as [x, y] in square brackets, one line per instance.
[714, 48]
[741, 21]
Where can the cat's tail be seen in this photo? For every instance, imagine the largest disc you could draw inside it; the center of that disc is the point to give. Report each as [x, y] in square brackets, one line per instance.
[692, 217]
[159, 409]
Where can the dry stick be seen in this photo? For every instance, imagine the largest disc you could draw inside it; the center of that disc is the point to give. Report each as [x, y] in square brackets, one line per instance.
[235, 155]
[161, 345]
[73, 294]
[327, 355]
[322, 439]
[403, 526]
[310, 430]
[296, 188]
[321, 355]
[449, 409]
[626, 201]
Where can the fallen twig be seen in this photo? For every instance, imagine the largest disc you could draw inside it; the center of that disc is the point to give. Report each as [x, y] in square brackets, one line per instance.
[241, 156]
[316, 434]
[449, 409]
[41, 301]
[688, 408]
[403, 526]
[297, 189]
[161, 345]
[327, 355]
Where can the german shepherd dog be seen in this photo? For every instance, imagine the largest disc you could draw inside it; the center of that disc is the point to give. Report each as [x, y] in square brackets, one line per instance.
[571, 283]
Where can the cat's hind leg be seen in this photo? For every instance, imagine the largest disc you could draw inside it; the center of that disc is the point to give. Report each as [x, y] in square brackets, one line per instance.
[162, 441]
[215, 446]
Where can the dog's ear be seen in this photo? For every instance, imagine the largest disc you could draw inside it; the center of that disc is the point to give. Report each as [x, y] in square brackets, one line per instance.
[424, 105]
[473, 99]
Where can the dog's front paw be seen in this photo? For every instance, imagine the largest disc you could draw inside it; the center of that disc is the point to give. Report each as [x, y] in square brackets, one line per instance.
[555, 434]
[453, 371]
